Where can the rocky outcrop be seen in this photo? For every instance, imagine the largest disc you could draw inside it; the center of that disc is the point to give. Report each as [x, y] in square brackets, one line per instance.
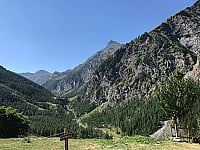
[136, 69]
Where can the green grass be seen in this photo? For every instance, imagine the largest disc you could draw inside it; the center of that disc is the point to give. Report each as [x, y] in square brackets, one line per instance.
[125, 143]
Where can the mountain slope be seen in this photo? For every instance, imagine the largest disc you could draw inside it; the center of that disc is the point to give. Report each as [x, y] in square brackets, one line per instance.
[135, 70]
[71, 80]
[39, 77]
[45, 112]
[17, 91]
[124, 85]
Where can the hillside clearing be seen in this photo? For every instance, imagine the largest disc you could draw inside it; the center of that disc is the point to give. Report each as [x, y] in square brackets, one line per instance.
[130, 143]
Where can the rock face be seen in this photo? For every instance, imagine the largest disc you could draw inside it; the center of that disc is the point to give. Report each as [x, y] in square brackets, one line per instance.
[39, 77]
[138, 67]
[73, 79]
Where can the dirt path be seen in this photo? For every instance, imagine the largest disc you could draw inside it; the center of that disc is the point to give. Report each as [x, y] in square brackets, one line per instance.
[160, 131]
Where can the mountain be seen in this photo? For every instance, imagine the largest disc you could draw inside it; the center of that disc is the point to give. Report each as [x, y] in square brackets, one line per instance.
[73, 79]
[137, 68]
[123, 86]
[39, 77]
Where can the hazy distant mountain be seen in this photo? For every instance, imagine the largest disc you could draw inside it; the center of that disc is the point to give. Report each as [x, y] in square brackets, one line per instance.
[39, 77]
[73, 79]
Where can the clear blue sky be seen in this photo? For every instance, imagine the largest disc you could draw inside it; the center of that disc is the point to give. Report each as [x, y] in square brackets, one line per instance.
[57, 35]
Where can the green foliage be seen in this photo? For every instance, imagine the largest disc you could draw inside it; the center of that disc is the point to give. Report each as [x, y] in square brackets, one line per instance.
[142, 139]
[53, 122]
[22, 94]
[92, 132]
[48, 115]
[125, 140]
[132, 117]
[12, 124]
[73, 93]
[81, 107]
[180, 98]
[179, 95]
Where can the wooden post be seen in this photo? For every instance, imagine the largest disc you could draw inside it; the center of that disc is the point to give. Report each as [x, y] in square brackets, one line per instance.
[171, 130]
[66, 139]
[188, 135]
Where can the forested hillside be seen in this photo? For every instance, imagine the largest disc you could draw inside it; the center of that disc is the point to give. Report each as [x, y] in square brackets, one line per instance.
[20, 93]
[46, 113]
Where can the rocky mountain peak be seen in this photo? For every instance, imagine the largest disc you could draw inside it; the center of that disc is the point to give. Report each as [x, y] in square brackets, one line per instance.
[112, 43]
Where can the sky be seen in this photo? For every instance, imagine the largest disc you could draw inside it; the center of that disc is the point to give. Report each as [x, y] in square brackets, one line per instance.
[57, 35]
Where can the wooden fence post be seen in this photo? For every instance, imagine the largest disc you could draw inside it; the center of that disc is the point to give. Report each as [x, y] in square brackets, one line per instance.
[188, 135]
[171, 130]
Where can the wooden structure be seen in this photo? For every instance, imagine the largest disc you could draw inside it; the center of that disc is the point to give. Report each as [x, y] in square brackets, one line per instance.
[65, 138]
[189, 137]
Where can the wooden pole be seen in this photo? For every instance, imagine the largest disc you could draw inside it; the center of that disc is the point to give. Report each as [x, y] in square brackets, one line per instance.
[66, 143]
[66, 140]
[171, 130]
[188, 135]
[65, 137]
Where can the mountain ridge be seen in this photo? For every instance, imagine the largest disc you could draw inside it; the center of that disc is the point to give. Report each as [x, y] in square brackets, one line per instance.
[73, 79]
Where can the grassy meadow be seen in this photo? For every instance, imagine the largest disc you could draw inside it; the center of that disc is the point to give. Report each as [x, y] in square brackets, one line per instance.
[126, 143]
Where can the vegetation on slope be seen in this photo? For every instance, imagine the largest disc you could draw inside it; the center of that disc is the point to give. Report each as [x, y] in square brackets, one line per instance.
[178, 99]
[12, 123]
[47, 115]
